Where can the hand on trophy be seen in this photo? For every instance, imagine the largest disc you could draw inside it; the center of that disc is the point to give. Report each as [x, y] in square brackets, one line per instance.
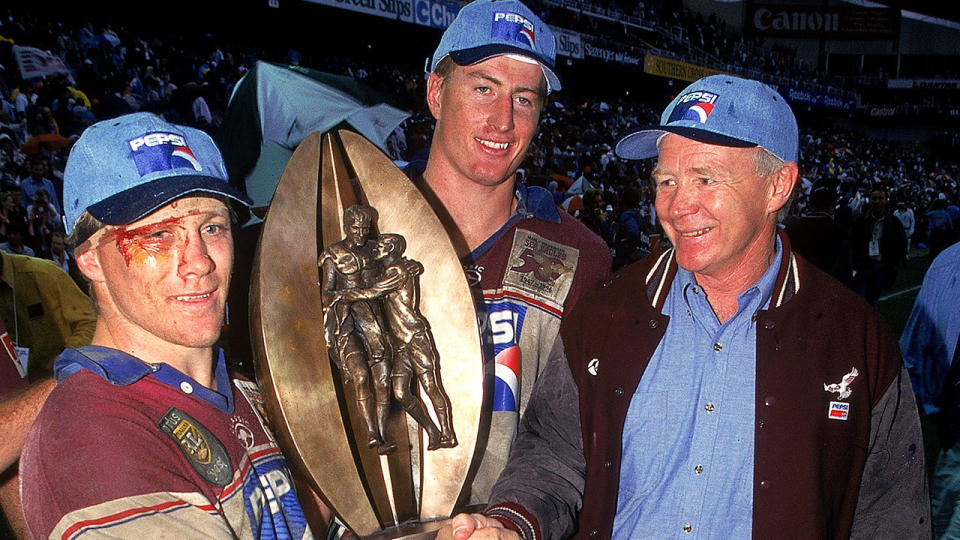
[475, 527]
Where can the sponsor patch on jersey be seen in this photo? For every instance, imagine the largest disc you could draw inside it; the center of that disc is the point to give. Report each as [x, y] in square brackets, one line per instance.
[506, 385]
[154, 152]
[474, 274]
[253, 396]
[243, 432]
[838, 410]
[540, 267]
[694, 106]
[203, 451]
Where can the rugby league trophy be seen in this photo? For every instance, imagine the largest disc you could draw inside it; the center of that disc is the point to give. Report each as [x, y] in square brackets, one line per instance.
[365, 339]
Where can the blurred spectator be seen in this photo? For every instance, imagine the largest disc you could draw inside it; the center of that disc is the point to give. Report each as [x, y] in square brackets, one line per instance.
[60, 253]
[905, 214]
[939, 228]
[42, 220]
[630, 226]
[11, 161]
[818, 238]
[37, 180]
[14, 243]
[879, 248]
[11, 214]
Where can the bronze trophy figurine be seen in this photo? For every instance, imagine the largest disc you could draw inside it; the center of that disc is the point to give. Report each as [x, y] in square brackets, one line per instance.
[374, 328]
[366, 340]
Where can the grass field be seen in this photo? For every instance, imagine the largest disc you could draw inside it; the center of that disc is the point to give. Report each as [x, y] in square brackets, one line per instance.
[896, 303]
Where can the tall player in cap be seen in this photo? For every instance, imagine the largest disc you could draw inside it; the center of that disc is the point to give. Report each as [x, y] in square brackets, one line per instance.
[725, 387]
[488, 82]
[147, 434]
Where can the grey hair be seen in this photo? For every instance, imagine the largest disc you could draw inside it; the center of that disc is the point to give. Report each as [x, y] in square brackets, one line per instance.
[765, 165]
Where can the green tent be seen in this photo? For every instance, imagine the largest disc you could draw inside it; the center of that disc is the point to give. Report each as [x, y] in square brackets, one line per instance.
[273, 108]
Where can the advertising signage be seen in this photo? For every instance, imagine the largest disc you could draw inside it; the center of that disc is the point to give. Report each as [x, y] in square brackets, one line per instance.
[822, 21]
[432, 13]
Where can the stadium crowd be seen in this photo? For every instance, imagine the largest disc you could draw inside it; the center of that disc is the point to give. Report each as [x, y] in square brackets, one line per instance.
[115, 71]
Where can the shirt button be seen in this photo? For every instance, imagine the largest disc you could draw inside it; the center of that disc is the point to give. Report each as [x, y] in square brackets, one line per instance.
[717, 347]
[768, 324]
[687, 528]
[709, 407]
[764, 484]
[186, 387]
[769, 401]
[607, 464]
[698, 469]
[652, 324]
[618, 391]
[594, 533]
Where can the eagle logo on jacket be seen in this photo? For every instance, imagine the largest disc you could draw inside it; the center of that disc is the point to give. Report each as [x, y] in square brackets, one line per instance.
[842, 387]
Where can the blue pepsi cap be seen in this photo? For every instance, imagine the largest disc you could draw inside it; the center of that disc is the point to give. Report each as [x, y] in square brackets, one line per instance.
[726, 111]
[125, 168]
[487, 28]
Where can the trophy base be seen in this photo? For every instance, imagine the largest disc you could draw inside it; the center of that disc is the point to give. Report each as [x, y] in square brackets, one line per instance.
[418, 530]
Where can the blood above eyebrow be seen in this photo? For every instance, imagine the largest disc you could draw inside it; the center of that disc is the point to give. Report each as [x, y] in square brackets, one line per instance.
[129, 241]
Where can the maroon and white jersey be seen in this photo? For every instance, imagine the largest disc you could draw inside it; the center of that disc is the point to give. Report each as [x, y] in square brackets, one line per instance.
[529, 273]
[127, 449]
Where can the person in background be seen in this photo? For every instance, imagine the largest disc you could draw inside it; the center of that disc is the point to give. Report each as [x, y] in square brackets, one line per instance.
[929, 343]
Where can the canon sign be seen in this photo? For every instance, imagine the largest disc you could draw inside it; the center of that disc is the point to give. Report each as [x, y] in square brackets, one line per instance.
[817, 21]
[787, 20]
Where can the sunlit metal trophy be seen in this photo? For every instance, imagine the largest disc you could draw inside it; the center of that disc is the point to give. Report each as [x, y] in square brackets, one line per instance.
[365, 339]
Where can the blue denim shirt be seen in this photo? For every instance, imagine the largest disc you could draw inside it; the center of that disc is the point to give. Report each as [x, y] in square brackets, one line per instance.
[930, 335]
[687, 469]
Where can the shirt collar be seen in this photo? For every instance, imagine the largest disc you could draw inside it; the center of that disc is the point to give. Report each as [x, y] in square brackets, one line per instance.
[121, 369]
[532, 202]
[754, 297]
[535, 201]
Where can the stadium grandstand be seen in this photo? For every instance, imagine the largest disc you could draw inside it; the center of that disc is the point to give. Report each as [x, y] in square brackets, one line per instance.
[875, 86]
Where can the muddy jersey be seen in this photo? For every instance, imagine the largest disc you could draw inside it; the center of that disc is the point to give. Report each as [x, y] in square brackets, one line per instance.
[127, 449]
[529, 274]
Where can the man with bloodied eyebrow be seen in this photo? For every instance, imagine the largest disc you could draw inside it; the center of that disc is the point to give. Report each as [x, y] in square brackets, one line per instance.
[147, 432]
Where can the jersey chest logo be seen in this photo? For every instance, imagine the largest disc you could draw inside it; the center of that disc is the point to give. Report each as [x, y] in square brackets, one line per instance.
[203, 451]
[540, 267]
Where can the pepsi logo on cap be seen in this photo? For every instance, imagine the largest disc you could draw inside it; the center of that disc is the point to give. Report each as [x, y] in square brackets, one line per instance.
[513, 27]
[154, 152]
[694, 106]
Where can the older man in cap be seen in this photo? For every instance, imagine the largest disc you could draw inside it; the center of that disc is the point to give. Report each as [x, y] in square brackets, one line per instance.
[147, 434]
[488, 81]
[723, 388]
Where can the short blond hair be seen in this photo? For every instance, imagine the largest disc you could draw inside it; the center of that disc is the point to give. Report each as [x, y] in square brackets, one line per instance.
[85, 227]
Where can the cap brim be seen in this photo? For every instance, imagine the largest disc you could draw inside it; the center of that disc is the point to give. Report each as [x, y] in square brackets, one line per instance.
[138, 202]
[468, 57]
[643, 144]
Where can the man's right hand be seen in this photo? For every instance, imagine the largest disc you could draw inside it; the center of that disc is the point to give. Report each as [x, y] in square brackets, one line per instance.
[475, 527]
